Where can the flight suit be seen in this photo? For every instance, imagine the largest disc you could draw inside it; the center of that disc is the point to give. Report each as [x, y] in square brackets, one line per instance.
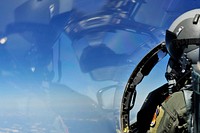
[172, 116]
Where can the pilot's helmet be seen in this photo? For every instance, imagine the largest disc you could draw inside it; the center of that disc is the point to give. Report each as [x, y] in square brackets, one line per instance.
[183, 37]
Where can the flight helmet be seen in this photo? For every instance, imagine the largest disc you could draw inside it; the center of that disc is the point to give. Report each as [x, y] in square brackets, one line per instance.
[183, 37]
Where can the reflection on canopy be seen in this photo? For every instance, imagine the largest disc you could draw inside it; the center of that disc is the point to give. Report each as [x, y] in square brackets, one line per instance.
[57, 54]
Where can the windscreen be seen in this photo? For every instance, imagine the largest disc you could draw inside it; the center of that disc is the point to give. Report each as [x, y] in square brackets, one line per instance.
[64, 64]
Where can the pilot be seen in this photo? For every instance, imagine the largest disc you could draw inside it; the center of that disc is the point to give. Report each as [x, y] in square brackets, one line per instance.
[179, 113]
